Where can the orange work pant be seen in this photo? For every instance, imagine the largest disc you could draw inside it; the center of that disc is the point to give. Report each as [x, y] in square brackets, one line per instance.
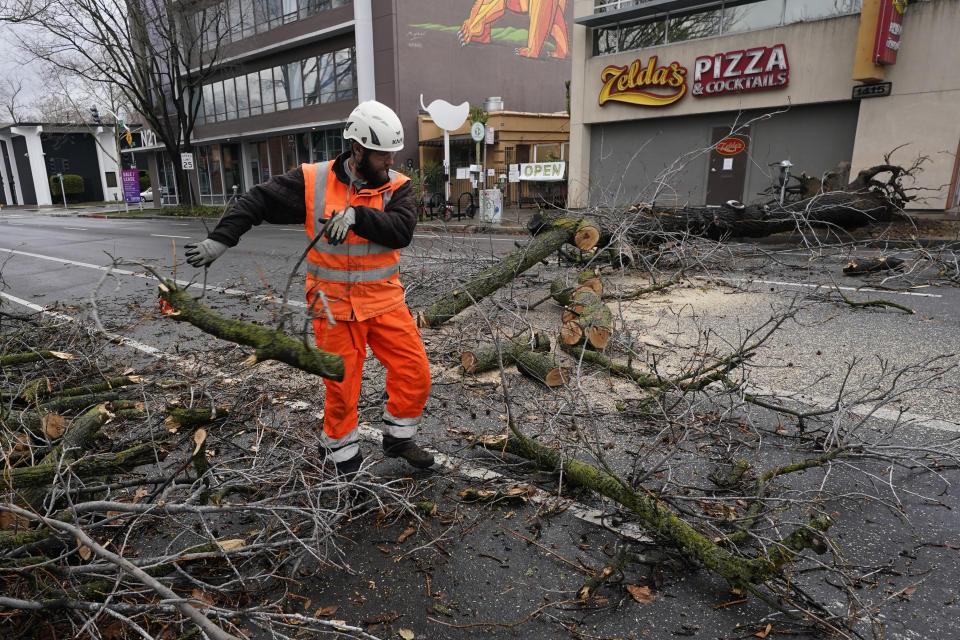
[395, 341]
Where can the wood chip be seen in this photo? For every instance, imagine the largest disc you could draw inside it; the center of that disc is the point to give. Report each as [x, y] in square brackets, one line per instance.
[406, 534]
[199, 437]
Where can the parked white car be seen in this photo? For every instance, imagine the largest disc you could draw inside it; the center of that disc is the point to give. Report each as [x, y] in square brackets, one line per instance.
[147, 196]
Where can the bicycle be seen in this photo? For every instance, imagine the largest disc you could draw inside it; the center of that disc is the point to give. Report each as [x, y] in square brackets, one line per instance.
[782, 191]
[471, 208]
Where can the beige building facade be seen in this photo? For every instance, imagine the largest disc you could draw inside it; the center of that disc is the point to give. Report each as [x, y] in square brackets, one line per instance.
[676, 105]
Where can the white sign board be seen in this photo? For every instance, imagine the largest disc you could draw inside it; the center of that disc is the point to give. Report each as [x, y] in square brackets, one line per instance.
[490, 135]
[543, 171]
[477, 131]
[491, 206]
[186, 161]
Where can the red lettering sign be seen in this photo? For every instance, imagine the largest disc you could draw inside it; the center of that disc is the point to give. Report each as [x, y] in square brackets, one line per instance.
[741, 71]
[886, 43]
[730, 146]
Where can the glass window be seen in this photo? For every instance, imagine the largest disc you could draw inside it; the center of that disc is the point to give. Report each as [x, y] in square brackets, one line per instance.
[275, 8]
[230, 99]
[236, 23]
[289, 152]
[261, 15]
[311, 7]
[210, 113]
[267, 99]
[645, 34]
[232, 175]
[280, 88]
[216, 180]
[604, 41]
[294, 83]
[344, 74]
[802, 10]
[289, 10]
[219, 100]
[303, 147]
[694, 25]
[264, 161]
[246, 11]
[203, 170]
[253, 93]
[328, 88]
[310, 88]
[756, 15]
[243, 104]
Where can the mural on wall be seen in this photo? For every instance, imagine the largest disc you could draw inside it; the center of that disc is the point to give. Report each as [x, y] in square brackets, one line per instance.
[546, 33]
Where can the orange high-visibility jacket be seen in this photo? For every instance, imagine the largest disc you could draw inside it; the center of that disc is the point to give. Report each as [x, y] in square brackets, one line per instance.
[360, 278]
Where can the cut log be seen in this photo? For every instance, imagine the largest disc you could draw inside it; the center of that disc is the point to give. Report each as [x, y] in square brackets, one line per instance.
[542, 367]
[484, 358]
[588, 319]
[270, 344]
[558, 233]
[587, 237]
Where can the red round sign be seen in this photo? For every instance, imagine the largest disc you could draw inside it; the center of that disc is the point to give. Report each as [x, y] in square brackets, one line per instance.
[730, 146]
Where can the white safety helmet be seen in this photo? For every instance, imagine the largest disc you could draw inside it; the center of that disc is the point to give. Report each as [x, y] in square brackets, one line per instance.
[375, 126]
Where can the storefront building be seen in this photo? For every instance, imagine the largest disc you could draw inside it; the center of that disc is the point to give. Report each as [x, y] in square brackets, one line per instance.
[291, 71]
[684, 106]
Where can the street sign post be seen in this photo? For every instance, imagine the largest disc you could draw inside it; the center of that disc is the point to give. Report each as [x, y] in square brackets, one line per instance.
[477, 131]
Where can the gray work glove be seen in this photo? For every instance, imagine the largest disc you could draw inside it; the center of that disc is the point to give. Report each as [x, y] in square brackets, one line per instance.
[339, 224]
[200, 254]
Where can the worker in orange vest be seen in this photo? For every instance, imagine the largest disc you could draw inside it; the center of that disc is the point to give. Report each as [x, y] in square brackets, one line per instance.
[358, 214]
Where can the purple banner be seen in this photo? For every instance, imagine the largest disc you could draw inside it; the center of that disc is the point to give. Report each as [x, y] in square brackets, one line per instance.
[131, 185]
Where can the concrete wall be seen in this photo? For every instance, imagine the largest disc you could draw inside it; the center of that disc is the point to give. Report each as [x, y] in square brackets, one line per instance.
[922, 111]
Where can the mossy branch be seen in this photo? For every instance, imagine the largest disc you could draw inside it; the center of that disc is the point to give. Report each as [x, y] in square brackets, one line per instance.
[270, 344]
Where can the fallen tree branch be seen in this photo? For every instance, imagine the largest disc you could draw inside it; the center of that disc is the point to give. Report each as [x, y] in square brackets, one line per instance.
[558, 233]
[270, 344]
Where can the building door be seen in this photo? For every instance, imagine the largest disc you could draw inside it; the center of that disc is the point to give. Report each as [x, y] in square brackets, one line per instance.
[728, 165]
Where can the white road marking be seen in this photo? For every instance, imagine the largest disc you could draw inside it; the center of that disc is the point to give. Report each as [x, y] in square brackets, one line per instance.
[286, 229]
[160, 235]
[76, 228]
[125, 272]
[139, 346]
[862, 409]
[829, 287]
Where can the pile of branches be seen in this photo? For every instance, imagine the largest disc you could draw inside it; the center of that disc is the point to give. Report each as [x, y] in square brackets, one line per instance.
[131, 501]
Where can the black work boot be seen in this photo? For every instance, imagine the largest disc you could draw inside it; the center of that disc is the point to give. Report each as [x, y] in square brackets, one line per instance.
[348, 468]
[407, 449]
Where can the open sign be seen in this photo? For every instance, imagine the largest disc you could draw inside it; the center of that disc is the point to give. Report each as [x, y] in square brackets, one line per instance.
[730, 146]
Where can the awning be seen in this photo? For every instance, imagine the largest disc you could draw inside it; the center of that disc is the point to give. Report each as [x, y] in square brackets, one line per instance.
[456, 139]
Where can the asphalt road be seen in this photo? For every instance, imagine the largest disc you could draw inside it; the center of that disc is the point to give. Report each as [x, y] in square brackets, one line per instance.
[61, 261]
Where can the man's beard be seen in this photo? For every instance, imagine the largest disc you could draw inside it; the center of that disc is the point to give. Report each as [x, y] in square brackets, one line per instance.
[368, 173]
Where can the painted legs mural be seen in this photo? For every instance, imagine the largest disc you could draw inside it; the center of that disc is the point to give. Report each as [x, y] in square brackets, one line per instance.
[546, 21]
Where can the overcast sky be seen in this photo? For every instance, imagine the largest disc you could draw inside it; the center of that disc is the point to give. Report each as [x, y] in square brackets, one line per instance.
[15, 64]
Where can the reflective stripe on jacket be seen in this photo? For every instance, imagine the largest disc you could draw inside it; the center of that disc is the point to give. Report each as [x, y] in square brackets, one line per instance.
[359, 278]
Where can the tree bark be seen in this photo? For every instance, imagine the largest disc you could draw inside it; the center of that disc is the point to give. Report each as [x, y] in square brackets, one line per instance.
[484, 358]
[588, 319]
[269, 343]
